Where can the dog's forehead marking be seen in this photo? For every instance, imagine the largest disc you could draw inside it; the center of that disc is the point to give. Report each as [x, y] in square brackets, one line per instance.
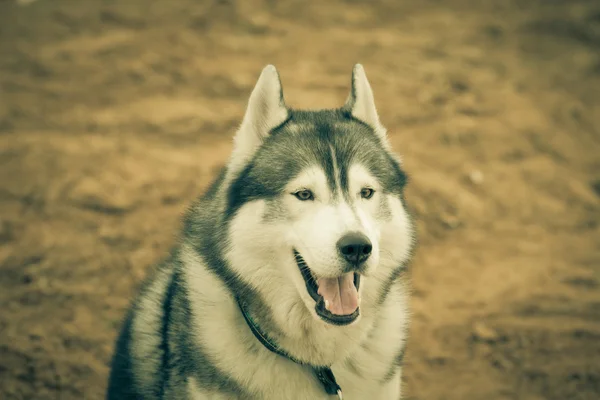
[336, 144]
[337, 184]
[325, 134]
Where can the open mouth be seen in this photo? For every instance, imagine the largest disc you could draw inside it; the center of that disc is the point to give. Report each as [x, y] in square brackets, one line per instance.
[336, 298]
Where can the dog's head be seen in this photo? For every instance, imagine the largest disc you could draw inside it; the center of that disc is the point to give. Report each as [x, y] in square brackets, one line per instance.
[316, 203]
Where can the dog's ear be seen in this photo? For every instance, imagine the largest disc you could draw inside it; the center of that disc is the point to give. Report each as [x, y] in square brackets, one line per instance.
[266, 110]
[361, 103]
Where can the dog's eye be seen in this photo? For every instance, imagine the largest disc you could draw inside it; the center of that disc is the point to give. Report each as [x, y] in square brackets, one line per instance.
[367, 193]
[304, 195]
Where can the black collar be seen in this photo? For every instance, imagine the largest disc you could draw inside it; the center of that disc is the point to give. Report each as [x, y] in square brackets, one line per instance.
[323, 373]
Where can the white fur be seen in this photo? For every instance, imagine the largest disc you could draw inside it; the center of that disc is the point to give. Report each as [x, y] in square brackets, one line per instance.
[266, 110]
[222, 331]
[362, 103]
[260, 251]
[195, 392]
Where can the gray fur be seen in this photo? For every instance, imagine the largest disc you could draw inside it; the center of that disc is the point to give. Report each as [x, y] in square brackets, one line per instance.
[161, 352]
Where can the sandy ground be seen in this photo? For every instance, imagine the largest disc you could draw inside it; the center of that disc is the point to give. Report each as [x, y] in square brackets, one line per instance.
[114, 115]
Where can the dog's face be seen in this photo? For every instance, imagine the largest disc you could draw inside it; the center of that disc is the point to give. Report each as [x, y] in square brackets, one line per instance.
[317, 202]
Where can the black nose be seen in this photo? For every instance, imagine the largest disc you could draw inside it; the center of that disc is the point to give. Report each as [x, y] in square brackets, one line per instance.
[355, 247]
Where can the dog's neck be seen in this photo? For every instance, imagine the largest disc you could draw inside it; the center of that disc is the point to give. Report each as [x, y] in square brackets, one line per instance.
[323, 373]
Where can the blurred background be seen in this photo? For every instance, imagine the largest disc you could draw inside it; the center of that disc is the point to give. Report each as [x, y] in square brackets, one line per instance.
[114, 115]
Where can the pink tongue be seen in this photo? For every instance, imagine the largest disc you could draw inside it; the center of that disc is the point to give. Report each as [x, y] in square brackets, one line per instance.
[340, 293]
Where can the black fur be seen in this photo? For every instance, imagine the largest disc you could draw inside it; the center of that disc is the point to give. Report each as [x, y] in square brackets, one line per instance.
[121, 384]
[306, 138]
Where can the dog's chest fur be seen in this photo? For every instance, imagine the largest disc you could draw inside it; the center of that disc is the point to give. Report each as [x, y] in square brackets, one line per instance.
[371, 369]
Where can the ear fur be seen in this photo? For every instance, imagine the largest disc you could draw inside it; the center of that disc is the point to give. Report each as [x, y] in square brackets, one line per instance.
[361, 103]
[266, 110]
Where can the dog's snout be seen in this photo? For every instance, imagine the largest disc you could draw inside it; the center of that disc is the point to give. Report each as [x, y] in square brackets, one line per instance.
[355, 247]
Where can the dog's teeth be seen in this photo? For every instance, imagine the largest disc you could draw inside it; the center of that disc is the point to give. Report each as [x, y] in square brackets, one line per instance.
[327, 305]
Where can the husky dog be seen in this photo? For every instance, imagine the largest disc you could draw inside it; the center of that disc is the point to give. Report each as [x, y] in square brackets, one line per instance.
[288, 281]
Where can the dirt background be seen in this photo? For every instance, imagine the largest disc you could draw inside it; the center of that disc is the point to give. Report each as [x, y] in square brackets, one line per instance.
[114, 115]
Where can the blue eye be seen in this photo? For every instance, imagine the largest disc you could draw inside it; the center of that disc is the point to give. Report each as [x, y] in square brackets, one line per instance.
[304, 195]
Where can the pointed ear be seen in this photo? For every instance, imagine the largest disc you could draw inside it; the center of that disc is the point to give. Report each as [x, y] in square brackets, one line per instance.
[266, 110]
[361, 103]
